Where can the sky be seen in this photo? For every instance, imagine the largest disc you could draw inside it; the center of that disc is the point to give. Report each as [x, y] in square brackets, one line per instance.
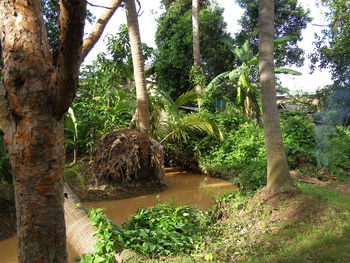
[151, 10]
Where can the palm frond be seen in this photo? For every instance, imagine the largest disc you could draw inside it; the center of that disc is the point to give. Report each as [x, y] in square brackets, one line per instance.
[200, 123]
[186, 97]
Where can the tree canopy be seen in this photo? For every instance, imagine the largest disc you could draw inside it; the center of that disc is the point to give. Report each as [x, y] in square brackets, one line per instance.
[290, 20]
[333, 47]
[174, 58]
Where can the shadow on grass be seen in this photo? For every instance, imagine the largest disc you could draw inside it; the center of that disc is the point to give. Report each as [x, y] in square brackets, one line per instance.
[317, 231]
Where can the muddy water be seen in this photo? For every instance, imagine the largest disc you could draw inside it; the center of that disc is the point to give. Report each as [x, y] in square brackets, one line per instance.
[183, 188]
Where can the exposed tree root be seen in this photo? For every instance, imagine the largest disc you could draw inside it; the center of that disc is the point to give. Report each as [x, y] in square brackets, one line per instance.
[118, 157]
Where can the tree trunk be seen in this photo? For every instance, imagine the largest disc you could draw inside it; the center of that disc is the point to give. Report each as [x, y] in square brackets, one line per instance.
[195, 32]
[33, 127]
[140, 82]
[278, 177]
[80, 232]
[34, 139]
[196, 46]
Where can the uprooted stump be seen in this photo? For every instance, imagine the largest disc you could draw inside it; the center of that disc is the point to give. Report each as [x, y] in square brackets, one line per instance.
[118, 159]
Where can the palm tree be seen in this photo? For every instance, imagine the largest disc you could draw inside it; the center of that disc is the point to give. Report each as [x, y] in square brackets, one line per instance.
[140, 82]
[278, 177]
[196, 46]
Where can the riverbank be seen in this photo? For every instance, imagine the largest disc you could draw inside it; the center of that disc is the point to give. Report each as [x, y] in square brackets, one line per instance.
[310, 225]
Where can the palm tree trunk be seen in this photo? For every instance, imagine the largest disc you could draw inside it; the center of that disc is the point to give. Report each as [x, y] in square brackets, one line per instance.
[141, 91]
[195, 32]
[278, 177]
[196, 46]
[80, 233]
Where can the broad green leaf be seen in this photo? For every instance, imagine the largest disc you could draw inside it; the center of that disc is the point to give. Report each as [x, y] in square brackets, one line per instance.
[287, 71]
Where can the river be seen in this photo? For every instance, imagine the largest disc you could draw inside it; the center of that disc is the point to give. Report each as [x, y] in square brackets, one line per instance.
[183, 188]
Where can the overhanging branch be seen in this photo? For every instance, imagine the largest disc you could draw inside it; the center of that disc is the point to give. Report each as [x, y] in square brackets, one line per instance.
[100, 25]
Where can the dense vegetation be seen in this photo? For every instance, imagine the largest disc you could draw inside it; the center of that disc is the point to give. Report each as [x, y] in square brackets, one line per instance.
[224, 138]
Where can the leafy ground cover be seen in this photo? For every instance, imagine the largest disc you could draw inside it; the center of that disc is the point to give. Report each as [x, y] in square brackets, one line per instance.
[308, 225]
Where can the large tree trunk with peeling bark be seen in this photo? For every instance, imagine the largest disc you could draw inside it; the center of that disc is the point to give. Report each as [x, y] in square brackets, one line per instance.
[38, 94]
[278, 177]
[141, 91]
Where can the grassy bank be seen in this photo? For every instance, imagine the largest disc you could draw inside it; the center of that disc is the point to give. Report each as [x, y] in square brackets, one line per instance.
[310, 225]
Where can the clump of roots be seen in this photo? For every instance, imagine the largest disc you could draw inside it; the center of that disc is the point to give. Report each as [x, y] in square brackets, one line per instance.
[118, 159]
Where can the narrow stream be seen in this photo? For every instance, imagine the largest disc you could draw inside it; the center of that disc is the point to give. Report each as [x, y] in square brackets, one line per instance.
[184, 188]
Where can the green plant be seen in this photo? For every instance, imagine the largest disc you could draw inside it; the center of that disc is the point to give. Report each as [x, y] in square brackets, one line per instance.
[333, 149]
[166, 229]
[106, 246]
[299, 139]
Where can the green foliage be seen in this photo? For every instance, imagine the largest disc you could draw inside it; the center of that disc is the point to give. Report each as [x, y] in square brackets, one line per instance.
[174, 58]
[241, 156]
[107, 234]
[106, 99]
[168, 122]
[333, 149]
[333, 47]
[165, 229]
[240, 86]
[290, 20]
[299, 139]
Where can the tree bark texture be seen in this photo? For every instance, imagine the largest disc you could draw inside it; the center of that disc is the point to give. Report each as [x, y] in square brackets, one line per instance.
[34, 128]
[278, 177]
[140, 82]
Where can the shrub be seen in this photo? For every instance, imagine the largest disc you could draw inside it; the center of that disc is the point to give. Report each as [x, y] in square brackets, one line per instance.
[333, 149]
[165, 229]
[299, 139]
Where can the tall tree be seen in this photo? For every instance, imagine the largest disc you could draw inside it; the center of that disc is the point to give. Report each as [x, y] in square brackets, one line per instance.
[278, 177]
[38, 95]
[39, 84]
[290, 20]
[195, 32]
[196, 48]
[174, 58]
[141, 91]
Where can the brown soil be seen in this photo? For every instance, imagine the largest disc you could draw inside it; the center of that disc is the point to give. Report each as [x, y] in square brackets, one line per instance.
[291, 207]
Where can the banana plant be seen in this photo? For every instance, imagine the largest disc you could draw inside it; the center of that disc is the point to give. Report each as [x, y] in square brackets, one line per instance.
[243, 79]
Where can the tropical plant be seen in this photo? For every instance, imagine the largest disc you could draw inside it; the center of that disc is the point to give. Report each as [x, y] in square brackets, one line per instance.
[240, 85]
[170, 123]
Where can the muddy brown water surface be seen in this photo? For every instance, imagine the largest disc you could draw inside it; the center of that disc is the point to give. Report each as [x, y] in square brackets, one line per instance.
[183, 188]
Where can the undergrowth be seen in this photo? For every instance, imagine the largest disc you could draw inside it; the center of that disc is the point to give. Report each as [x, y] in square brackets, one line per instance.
[310, 225]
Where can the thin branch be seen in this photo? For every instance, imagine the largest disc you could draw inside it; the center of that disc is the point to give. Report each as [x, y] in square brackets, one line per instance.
[101, 6]
[138, 11]
[320, 25]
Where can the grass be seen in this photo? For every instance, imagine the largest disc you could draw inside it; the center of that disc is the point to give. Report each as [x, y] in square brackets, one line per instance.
[311, 226]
